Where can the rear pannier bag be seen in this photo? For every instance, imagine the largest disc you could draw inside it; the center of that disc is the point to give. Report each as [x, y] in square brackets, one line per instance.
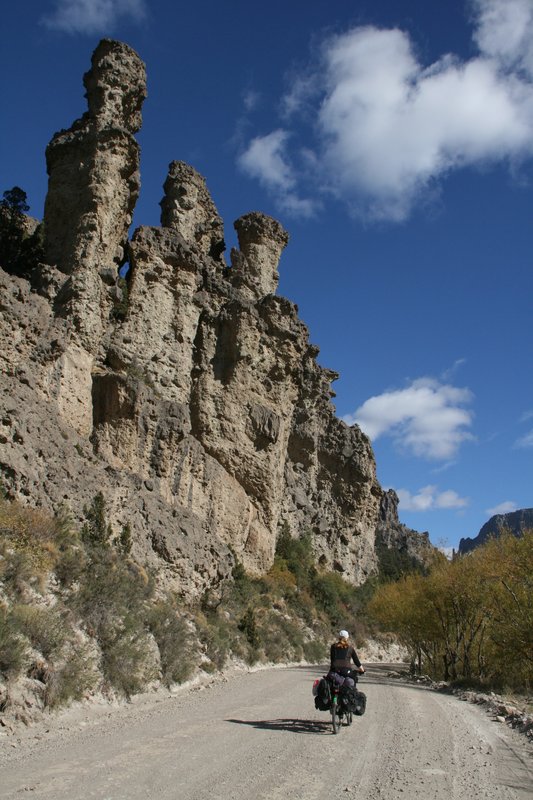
[360, 706]
[323, 696]
[353, 701]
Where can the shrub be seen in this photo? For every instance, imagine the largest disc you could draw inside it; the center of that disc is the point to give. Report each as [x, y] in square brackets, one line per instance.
[72, 678]
[244, 587]
[12, 646]
[111, 601]
[119, 310]
[333, 595]
[216, 634]
[44, 627]
[394, 563]
[125, 541]
[174, 640]
[71, 563]
[279, 580]
[71, 560]
[111, 589]
[248, 626]
[95, 530]
[297, 554]
[315, 651]
[303, 605]
[15, 570]
[281, 638]
[127, 661]
[27, 542]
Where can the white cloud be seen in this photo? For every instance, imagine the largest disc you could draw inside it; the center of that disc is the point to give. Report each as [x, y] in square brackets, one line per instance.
[503, 508]
[92, 16]
[450, 372]
[251, 99]
[426, 418]
[429, 498]
[387, 128]
[525, 441]
[391, 127]
[505, 32]
[450, 499]
[266, 159]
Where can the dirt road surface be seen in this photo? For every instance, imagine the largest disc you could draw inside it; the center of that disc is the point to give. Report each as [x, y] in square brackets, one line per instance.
[257, 735]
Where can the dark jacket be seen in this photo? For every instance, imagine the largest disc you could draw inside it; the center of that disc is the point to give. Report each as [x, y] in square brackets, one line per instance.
[341, 657]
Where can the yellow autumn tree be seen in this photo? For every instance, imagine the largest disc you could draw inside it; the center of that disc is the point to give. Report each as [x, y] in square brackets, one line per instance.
[507, 566]
[469, 619]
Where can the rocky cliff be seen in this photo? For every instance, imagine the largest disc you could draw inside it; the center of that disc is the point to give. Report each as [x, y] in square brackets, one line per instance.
[197, 407]
[392, 535]
[515, 521]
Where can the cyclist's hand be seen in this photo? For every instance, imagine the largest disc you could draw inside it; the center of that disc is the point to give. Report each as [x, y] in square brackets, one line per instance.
[361, 670]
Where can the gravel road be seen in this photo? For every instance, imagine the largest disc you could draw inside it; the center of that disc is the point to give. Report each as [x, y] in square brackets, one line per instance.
[257, 735]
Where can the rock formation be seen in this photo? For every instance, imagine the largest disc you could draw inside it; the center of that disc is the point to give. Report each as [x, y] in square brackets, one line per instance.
[392, 535]
[201, 412]
[93, 186]
[515, 521]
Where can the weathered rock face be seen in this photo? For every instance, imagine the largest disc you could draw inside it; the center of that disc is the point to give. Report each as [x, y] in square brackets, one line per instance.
[202, 413]
[255, 264]
[187, 207]
[515, 521]
[391, 534]
[93, 186]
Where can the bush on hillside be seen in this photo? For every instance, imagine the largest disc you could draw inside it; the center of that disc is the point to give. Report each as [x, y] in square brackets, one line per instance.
[45, 628]
[12, 646]
[72, 677]
[174, 639]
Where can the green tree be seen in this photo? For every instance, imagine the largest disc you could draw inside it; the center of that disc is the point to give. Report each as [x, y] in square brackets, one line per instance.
[249, 627]
[296, 554]
[14, 200]
[19, 251]
[124, 540]
[96, 531]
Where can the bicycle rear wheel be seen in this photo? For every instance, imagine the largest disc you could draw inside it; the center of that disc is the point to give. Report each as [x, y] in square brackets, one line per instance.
[335, 716]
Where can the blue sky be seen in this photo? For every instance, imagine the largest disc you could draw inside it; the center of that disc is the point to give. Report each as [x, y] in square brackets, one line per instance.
[394, 141]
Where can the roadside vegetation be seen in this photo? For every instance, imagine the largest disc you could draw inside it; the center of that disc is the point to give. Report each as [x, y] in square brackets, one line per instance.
[78, 614]
[470, 620]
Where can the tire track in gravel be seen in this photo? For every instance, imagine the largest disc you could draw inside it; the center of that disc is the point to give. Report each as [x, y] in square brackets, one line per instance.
[258, 734]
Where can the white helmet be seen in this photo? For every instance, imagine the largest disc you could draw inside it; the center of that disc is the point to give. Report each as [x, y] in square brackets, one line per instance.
[344, 635]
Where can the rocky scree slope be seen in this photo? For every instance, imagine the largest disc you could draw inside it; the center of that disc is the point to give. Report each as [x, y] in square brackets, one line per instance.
[199, 408]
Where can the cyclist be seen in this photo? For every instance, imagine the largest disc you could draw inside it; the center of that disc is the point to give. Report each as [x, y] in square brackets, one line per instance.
[341, 656]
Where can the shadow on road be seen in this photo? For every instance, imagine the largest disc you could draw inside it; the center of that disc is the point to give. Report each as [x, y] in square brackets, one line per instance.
[290, 725]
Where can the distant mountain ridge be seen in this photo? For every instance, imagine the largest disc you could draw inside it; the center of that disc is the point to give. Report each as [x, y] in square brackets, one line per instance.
[515, 521]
